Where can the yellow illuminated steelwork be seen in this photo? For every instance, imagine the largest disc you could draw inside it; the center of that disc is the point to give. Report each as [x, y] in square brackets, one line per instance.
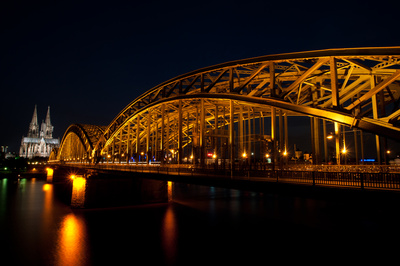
[220, 106]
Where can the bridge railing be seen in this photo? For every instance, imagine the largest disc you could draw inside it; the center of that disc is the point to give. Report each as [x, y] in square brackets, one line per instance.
[361, 179]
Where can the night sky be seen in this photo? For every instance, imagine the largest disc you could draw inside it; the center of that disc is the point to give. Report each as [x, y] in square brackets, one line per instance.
[88, 60]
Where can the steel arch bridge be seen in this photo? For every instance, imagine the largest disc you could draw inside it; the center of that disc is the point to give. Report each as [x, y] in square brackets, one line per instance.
[224, 109]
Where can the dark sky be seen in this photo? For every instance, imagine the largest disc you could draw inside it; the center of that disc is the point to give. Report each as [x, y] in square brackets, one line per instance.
[88, 60]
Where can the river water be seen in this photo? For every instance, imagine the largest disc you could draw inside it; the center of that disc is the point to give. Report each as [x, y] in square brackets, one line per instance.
[201, 225]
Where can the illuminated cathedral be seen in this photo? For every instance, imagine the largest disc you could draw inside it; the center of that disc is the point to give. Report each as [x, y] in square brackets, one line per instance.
[39, 142]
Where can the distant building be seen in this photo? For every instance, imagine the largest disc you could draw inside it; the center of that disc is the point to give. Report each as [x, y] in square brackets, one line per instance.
[38, 143]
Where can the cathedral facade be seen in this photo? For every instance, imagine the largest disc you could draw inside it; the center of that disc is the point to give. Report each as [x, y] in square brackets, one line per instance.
[39, 141]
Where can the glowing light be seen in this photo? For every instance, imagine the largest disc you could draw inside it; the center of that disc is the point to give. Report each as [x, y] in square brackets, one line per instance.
[50, 173]
[285, 153]
[344, 151]
[78, 192]
[267, 155]
[71, 241]
[72, 177]
[388, 151]
[214, 156]
[329, 137]
[244, 155]
[46, 187]
[169, 184]
[169, 235]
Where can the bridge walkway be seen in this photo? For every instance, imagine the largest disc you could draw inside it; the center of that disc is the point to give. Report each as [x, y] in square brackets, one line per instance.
[381, 180]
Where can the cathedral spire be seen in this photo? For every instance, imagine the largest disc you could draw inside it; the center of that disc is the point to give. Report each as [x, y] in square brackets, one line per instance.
[48, 123]
[34, 126]
[49, 127]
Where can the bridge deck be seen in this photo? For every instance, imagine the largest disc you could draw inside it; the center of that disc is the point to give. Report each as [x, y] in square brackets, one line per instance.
[383, 179]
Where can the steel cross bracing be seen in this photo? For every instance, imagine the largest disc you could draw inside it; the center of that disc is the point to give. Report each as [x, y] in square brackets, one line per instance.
[357, 87]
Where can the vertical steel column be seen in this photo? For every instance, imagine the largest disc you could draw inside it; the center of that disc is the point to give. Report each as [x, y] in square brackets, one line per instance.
[272, 79]
[334, 83]
[337, 142]
[128, 142]
[317, 155]
[312, 139]
[197, 137]
[162, 156]
[148, 148]
[155, 138]
[231, 136]
[202, 129]
[281, 142]
[375, 116]
[241, 132]
[187, 134]
[180, 150]
[120, 144]
[285, 119]
[248, 136]
[325, 141]
[137, 139]
[362, 146]
[216, 134]
[113, 149]
[167, 136]
[273, 136]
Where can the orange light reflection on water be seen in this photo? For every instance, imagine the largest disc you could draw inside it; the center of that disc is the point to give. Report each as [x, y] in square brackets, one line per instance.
[169, 235]
[72, 248]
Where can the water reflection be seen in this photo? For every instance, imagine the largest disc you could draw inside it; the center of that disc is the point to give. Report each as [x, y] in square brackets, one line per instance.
[201, 225]
[72, 237]
[169, 235]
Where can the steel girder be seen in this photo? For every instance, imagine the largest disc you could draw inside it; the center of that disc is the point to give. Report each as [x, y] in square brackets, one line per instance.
[80, 136]
[359, 87]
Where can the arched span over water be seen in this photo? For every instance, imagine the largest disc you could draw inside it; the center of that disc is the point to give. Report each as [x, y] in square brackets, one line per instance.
[231, 109]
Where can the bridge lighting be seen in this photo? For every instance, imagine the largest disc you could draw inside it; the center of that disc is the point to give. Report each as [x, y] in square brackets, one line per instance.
[330, 136]
[285, 153]
[344, 151]
[244, 155]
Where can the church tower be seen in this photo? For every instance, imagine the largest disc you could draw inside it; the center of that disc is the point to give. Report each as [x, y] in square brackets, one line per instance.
[46, 128]
[34, 126]
[39, 143]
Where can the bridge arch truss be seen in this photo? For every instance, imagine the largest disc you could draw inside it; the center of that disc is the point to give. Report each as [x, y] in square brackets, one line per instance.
[231, 109]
